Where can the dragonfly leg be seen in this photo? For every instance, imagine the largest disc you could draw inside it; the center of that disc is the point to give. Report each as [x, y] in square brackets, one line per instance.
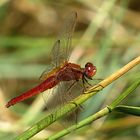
[96, 86]
[85, 81]
[98, 79]
[99, 85]
[91, 79]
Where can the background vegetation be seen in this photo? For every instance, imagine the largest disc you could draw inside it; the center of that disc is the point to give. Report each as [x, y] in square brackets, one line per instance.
[107, 34]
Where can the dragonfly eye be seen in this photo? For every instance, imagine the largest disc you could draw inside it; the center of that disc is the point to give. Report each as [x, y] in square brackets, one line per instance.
[90, 70]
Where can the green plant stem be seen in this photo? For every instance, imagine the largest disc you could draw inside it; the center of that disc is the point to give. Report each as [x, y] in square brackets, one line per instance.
[86, 121]
[72, 105]
[99, 114]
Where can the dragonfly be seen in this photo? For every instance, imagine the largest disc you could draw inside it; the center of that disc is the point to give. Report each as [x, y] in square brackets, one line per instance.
[64, 75]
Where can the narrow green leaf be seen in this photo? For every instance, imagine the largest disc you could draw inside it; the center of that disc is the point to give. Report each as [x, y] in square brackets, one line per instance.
[124, 94]
[128, 109]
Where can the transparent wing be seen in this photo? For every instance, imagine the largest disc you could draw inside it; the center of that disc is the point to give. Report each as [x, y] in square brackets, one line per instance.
[68, 92]
[56, 54]
[55, 61]
[45, 73]
[62, 94]
[65, 37]
[62, 47]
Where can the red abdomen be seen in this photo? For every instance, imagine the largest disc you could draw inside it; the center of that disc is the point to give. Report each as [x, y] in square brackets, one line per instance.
[47, 84]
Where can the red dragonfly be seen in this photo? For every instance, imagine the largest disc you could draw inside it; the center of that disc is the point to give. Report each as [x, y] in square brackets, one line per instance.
[65, 75]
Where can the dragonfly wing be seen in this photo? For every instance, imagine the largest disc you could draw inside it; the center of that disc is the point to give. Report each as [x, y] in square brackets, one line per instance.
[68, 91]
[56, 54]
[55, 98]
[65, 37]
[61, 49]
[71, 89]
[55, 60]
[44, 75]
[64, 93]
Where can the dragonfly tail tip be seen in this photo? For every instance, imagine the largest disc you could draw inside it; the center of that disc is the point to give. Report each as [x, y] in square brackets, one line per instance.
[8, 105]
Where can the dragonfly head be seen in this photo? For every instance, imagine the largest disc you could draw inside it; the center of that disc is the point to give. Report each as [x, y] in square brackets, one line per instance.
[89, 70]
